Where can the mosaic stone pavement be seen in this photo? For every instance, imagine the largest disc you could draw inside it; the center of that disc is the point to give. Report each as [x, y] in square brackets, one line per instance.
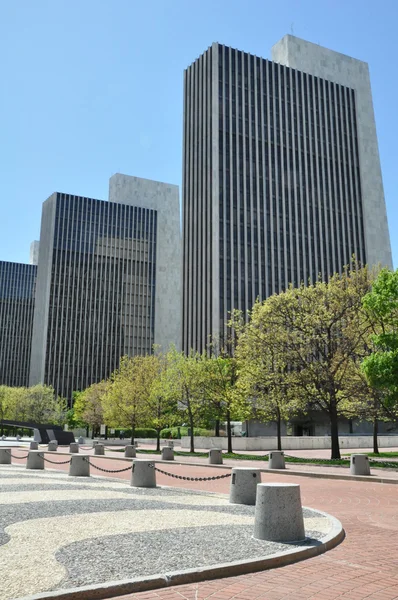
[61, 532]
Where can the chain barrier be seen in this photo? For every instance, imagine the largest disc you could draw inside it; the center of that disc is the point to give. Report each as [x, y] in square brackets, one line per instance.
[373, 461]
[86, 447]
[106, 470]
[385, 463]
[190, 478]
[13, 455]
[54, 462]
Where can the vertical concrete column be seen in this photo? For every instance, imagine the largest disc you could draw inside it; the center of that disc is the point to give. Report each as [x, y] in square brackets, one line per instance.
[278, 515]
[359, 464]
[35, 461]
[99, 450]
[215, 456]
[80, 440]
[5, 456]
[79, 466]
[244, 482]
[170, 444]
[143, 474]
[34, 445]
[276, 459]
[52, 446]
[74, 448]
[167, 453]
[130, 451]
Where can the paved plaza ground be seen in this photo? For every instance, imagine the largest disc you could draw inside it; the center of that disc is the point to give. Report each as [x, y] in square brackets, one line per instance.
[365, 565]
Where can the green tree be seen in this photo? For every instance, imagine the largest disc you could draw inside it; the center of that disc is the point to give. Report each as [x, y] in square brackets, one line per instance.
[162, 409]
[4, 405]
[126, 402]
[381, 366]
[263, 372]
[182, 383]
[218, 379]
[316, 330]
[88, 405]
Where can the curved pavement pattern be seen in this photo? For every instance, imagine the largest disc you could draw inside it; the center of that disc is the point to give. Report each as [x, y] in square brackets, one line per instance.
[60, 532]
[365, 565]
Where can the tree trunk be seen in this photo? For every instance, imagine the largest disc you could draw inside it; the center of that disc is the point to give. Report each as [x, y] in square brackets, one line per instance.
[106, 432]
[158, 439]
[192, 437]
[229, 431]
[217, 428]
[375, 432]
[334, 431]
[278, 430]
[132, 435]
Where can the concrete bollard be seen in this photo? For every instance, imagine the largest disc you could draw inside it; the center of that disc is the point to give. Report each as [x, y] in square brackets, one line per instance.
[135, 444]
[18, 437]
[244, 482]
[276, 460]
[170, 444]
[5, 456]
[79, 466]
[167, 453]
[3, 437]
[359, 464]
[99, 450]
[80, 440]
[35, 461]
[74, 448]
[130, 451]
[215, 456]
[34, 445]
[143, 474]
[52, 446]
[278, 515]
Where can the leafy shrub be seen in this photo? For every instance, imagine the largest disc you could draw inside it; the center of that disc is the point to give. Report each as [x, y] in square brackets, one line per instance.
[172, 432]
[140, 432]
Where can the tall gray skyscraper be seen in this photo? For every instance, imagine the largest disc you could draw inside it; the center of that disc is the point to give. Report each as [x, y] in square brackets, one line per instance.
[100, 282]
[281, 177]
[17, 297]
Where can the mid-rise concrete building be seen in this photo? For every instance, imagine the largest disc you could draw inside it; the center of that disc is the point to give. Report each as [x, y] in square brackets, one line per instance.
[103, 282]
[281, 177]
[17, 294]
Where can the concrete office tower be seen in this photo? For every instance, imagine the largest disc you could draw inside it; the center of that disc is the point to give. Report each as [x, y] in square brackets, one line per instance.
[34, 253]
[281, 177]
[103, 277]
[164, 198]
[95, 296]
[17, 292]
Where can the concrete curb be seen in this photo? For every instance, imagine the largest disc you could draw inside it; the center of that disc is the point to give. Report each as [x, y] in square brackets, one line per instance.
[113, 589]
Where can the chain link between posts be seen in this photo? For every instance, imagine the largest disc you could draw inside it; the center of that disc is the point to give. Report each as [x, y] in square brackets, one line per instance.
[189, 478]
[106, 470]
[13, 455]
[54, 462]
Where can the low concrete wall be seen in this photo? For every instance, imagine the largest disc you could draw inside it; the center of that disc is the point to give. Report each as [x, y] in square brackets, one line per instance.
[291, 442]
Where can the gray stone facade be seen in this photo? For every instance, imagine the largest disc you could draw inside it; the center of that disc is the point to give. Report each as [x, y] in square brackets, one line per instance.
[164, 198]
[34, 253]
[345, 70]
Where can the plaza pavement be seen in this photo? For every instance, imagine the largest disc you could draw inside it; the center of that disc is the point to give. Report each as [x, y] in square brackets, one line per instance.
[364, 566]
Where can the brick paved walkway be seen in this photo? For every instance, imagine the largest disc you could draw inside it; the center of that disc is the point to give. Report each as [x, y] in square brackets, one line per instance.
[365, 565]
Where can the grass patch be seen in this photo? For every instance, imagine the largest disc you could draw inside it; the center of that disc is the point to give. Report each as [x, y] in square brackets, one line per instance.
[342, 462]
[374, 455]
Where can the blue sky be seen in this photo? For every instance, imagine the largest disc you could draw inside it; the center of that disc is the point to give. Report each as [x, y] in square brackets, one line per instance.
[93, 87]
